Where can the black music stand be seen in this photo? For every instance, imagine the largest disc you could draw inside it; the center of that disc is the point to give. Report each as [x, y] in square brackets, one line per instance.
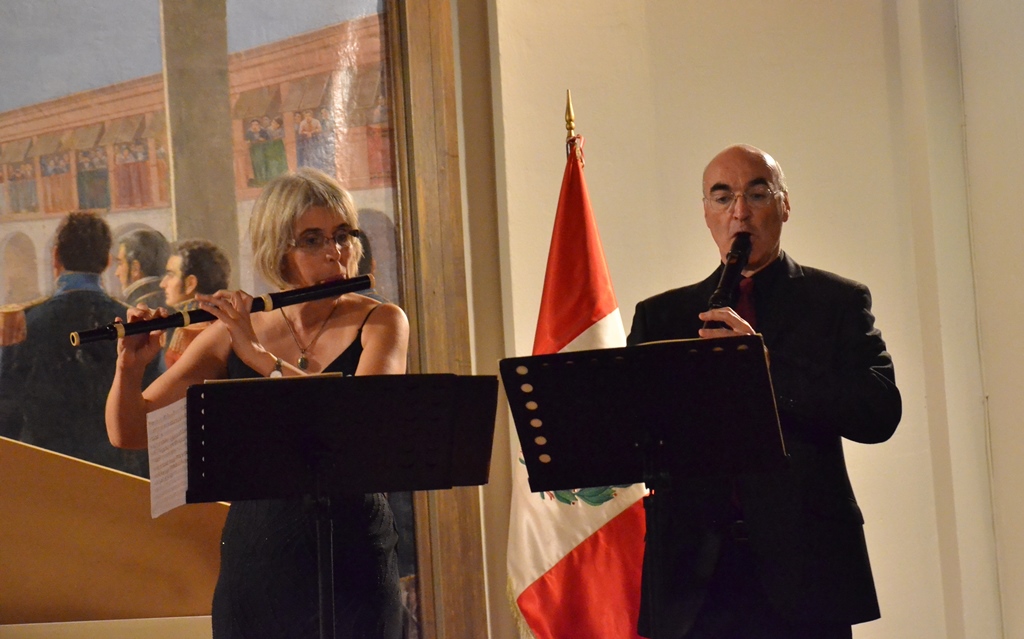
[326, 435]
[654, 413]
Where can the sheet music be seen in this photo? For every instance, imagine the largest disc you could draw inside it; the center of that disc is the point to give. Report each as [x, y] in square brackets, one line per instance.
[168, 457]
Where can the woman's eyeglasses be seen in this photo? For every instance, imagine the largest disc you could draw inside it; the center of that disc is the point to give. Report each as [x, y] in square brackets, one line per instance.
[314, 241]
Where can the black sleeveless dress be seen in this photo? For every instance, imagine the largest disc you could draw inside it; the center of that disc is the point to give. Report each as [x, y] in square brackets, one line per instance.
[268, 572]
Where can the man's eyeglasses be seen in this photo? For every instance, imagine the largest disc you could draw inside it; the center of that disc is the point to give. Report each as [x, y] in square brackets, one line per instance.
[314, 241]
[758, 197]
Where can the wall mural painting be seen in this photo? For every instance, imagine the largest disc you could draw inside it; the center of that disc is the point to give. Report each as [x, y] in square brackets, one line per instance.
[116, 167]
[319, 99]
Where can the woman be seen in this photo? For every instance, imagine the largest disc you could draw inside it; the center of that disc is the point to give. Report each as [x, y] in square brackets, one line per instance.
[303, 231]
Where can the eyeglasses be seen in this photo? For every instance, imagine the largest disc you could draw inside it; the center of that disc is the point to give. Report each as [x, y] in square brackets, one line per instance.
[314, 241]
[758, 197]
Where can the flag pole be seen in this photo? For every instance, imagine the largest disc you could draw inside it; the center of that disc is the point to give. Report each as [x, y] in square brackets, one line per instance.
[572, 141]
[570, 118]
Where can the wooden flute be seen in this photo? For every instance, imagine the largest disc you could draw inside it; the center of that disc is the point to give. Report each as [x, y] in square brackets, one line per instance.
[268, 302]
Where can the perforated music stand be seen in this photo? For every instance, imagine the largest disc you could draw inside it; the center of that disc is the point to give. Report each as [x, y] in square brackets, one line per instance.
[327, 435]
[658, 413]
[652, 413]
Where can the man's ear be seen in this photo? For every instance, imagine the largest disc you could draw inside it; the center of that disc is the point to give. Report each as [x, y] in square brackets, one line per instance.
[135, 271]
[190, 283]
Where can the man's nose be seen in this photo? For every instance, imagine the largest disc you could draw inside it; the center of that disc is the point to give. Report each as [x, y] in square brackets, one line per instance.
[740, 208]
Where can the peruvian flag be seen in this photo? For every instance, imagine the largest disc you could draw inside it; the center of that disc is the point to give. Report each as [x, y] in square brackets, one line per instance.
[575, 557]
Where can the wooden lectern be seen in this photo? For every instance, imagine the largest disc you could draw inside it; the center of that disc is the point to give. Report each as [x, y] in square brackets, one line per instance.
[78, 544]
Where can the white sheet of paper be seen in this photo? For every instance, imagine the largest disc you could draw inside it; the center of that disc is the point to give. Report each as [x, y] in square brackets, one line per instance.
[168, 457]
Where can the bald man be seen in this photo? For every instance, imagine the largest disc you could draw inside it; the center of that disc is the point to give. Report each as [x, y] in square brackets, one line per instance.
[773, 555]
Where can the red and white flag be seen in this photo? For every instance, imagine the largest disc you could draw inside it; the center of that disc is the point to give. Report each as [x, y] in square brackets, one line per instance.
[575, 556]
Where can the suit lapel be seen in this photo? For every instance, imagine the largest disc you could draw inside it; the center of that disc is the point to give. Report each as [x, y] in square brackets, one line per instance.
[786, 295]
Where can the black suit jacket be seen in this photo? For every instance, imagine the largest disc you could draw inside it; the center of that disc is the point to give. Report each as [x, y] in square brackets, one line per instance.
[53, 394]
[832, 379]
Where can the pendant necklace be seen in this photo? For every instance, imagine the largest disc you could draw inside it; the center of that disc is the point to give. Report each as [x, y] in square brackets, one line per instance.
[303, 362]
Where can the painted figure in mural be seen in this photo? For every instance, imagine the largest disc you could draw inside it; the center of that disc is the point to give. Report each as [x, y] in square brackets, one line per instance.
[274, 152]
[57, 183]
[22, 189]
[309, 127]
[776, 554]
[302, 230]
[131, 175]
[195, 266]
[307, 130]
[256, 135]
[93, 179]
[314, 143]
[163, 171]
[141, 261]
[275, 131]
[124, 155]
[266, 149]
[51, 393]
[255, 132]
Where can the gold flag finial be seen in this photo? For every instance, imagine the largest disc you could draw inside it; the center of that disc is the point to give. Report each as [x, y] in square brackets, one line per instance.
[570, 118]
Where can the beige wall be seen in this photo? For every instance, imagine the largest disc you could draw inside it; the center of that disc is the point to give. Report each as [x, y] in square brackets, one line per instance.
[993, 69]
[862, 103]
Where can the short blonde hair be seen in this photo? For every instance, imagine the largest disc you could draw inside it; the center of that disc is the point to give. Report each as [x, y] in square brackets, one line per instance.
[282, 201]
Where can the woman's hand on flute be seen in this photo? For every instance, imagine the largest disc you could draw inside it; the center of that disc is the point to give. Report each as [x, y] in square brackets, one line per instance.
[139, 350]
[232, 309]
[126, 409]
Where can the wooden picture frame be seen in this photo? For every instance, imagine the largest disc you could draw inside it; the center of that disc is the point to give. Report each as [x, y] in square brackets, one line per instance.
[448, 523]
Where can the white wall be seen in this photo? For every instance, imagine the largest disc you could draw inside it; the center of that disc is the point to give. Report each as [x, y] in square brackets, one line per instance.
[861, 103]
[993, 69]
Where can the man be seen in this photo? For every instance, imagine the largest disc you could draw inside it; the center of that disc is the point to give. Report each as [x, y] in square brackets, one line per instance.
[141, 258]
[774, 555]
[195, 266]
[52, 394]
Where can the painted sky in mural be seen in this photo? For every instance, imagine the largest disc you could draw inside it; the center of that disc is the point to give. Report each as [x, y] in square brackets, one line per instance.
[111, 41]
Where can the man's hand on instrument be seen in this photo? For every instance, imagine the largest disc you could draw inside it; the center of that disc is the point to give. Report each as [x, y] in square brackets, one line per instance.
[734, 324]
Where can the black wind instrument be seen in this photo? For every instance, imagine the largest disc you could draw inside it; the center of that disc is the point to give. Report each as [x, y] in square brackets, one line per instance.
[268, 302]
[735, 262]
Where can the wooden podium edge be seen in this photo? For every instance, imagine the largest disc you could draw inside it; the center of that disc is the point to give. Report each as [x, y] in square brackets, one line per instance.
[78, 544]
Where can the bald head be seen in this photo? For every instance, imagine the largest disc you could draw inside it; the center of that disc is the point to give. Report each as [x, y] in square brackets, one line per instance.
[745, 153]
